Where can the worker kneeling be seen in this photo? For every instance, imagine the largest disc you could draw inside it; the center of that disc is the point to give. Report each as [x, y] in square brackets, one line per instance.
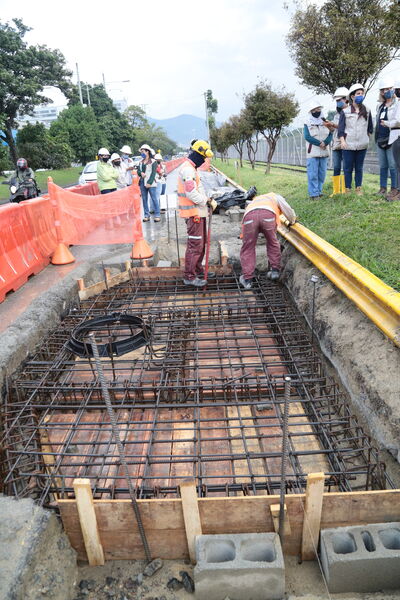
[262, 216]
[192, 201]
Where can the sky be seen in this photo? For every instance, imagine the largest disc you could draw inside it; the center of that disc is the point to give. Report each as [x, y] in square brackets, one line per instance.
[171, 52]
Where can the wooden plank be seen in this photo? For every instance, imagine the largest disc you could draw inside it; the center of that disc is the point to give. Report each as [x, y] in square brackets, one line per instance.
[164, 523]
[312, 515]
[88, 522]
[275, 510]
[191, 515]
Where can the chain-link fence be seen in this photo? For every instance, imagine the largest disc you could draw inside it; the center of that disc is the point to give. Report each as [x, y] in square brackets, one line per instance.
[291, 150]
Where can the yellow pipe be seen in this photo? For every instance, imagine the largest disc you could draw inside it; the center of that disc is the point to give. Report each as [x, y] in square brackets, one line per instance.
[371, 295]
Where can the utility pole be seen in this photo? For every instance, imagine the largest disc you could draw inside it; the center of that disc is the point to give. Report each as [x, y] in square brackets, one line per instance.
[88, 95]
[207, 121]
[79, 84]
[104, 83]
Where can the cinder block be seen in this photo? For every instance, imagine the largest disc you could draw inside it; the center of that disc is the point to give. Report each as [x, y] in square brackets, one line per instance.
[361, 559]
[246, 566]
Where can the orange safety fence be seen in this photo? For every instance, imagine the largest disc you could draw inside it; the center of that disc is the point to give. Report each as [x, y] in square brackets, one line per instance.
[173, 164]
[20, 254]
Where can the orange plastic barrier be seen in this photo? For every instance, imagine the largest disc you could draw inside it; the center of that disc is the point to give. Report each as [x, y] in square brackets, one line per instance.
[40, 216]
[20, 255]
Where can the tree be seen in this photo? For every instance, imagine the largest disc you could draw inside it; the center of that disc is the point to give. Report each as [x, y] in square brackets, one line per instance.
[78, 127]
[342, 42]
[136, 116]
[41, 150]
[241, 132]
[268, 111]
[25, 71]
[212, 109]
[221, 139]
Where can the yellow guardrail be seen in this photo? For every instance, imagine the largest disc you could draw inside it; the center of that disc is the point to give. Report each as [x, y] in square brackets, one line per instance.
[380, 302]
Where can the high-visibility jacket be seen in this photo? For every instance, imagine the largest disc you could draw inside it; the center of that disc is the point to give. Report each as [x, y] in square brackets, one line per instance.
[273, 202]
[192, 200]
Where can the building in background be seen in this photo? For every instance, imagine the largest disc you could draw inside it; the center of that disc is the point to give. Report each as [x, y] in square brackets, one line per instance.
[45, 113]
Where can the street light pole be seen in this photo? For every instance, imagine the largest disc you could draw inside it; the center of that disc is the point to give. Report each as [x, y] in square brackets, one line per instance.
[207, 121]
[79, 84]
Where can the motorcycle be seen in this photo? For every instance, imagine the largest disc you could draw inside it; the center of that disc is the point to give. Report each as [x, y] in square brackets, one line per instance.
[22, 190]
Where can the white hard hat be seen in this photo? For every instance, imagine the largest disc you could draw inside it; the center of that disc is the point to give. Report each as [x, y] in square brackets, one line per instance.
[158, 156]
[313, 104]
[341, 92]
[355, 87]
[146, 147]
[103, 151]
[385, 83]
[126, 150]
[397, 84]
[115, 156]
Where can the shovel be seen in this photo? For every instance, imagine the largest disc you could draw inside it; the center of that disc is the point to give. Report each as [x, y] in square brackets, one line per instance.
[208, 243]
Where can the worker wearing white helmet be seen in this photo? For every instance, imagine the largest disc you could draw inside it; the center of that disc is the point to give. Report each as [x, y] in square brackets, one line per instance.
[318, 135]
[126, 160]
[120, 168]
[385, 115]
[106, 174]
[147, 172]
[341, 98]
[355, 127]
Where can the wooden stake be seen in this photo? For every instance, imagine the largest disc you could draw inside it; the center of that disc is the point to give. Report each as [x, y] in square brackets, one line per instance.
[312, 515]
[191, 515]
[275, 510]
[81, 284]
[88, 522]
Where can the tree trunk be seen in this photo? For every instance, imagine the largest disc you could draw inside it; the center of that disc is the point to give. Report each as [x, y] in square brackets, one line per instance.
[11, 142]
[271, 150]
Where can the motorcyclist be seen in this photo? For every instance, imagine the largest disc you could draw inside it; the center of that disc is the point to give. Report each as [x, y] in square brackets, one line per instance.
[24, 178]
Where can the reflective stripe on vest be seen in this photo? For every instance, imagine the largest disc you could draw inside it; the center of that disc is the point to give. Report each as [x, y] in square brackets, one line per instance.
[187, 208]
[266, 201]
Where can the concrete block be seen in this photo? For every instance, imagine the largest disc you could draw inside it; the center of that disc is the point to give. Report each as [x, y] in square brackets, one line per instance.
[164, 263]
[246, 566]
[36, 558]
[361, 559]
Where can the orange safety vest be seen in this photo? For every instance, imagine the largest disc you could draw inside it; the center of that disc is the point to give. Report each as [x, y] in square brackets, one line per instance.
[268, 202]
[187, 208]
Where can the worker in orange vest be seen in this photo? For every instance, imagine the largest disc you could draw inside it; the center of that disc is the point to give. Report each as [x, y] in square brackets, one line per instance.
[192, 202]
[262, 216]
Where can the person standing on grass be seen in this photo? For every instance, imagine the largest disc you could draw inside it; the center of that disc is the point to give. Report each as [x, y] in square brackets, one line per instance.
[262, 216]
[147, 172]
[106, 174]
[355, 127]
[340, 96]
[394, 139]
[318, 137]
[384, 137]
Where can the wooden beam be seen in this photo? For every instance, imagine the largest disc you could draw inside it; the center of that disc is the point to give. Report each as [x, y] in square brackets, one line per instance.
[88, 522]
[312, 515]
[191, 515]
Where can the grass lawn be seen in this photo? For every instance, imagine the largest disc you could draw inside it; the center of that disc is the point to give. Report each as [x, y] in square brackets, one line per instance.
[61, 177]
[366, 228]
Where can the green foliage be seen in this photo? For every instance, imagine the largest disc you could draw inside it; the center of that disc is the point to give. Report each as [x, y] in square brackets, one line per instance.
[42, 150]
[24, 72]
[156, 137]
[342, 42]
[363, 227]
[5, 163]
[268, 111]
[212, 109]
[78, 126]
[136, 116]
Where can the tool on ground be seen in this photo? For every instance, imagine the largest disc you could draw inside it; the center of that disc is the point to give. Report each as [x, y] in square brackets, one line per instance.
[210, 212]
[284, 458]
[177, 238]
[121, 452]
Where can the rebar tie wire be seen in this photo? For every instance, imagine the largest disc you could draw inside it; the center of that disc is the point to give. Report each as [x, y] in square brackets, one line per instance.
[117, 439]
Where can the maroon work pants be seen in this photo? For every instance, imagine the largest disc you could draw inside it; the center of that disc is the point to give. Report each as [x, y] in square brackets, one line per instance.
[258, 221]
[195, 249]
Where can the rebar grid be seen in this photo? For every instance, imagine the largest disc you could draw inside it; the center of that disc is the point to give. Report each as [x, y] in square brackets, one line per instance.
[203, 399]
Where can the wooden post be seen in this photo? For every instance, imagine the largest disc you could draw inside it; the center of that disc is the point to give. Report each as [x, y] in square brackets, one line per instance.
[81, 284]
[312, 515]
[88, 522]
[275, 510]
[191, 515]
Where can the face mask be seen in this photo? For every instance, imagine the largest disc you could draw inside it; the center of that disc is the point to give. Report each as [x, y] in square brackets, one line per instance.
[143, 154]
[125, 155]
[316, 114]
[116, 163]
[340, 104]
[389, 94]
[104, 158]
[397, 92]
[358, 99]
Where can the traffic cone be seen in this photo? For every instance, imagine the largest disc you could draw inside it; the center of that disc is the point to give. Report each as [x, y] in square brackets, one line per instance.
[141, 249]
[62, 255]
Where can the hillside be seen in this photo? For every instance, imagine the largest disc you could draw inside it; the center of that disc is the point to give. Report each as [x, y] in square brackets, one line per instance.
[183, 128]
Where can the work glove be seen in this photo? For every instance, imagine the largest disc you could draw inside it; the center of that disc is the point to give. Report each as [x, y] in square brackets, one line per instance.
[212, 203]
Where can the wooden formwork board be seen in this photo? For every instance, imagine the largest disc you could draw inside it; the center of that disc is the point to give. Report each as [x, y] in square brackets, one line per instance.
[165, 528]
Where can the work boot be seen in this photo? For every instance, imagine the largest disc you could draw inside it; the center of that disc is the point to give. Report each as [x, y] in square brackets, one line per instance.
[273, 274]
[393, 194]
[246, 283]
[381, 192]
[314, 197]
[347, 190]
[210, 275]
[196, 282]
[359, 191]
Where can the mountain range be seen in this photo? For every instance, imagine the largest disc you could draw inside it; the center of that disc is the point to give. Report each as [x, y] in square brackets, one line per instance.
[183, 128]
